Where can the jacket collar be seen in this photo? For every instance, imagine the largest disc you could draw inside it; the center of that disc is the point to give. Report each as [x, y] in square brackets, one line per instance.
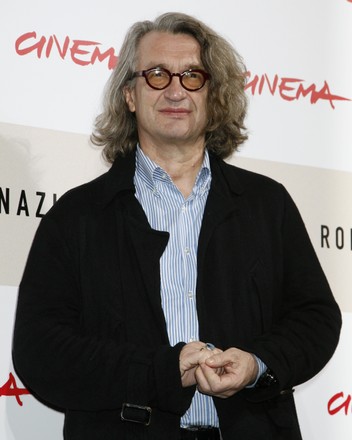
[224, 173]
[119, 179]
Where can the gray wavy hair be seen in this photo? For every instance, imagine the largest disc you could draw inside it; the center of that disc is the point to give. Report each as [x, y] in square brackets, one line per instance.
[116, 127]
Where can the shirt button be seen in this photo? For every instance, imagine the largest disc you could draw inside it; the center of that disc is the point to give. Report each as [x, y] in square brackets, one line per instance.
[190, 295]
[187, 250]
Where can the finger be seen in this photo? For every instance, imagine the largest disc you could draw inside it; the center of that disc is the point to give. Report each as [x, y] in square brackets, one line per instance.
[192, 354]
[202, 382]
[210, 378]
[217, 360]
[231, 355]
[194, 346]
[206, 354]
[210, 383]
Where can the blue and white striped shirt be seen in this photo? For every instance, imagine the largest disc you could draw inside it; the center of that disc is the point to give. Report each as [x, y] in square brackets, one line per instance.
[168, 210]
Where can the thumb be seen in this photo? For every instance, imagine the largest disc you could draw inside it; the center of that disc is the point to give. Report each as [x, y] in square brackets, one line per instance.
[215, 361]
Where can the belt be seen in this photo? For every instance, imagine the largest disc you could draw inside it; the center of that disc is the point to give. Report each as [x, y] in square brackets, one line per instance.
[199, 433]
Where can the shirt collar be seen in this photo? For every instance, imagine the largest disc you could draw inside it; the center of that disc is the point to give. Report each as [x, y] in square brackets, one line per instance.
[151, 173]
[120, 178]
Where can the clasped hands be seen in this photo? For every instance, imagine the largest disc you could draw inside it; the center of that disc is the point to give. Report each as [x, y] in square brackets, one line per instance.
[216, 372]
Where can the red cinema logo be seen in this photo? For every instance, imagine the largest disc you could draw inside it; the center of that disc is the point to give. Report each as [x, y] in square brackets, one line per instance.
[291, 89]
[11, 389]
[81, 52]
[340, 403]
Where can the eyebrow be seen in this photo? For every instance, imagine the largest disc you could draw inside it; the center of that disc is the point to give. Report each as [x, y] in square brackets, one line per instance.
[164, 66]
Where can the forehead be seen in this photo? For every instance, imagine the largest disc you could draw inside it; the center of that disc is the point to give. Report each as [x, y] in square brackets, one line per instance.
[166, 48]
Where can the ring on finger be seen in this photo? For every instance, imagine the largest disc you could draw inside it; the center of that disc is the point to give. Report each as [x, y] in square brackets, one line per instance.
[208, 346]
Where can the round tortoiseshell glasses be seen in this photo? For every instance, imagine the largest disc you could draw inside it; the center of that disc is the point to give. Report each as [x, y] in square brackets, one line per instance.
[159, 78]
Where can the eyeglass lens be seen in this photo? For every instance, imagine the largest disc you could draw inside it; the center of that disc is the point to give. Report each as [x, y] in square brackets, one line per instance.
[190, 79]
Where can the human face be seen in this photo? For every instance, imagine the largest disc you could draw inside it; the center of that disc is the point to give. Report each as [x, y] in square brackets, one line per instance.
[173, 116]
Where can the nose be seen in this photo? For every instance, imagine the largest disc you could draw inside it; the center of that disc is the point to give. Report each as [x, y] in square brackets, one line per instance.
[175, 91]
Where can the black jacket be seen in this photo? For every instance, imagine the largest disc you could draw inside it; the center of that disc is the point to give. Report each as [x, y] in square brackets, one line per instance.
[90, 332]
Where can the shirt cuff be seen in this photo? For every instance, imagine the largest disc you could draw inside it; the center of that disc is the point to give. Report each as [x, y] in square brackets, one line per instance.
[261, 369]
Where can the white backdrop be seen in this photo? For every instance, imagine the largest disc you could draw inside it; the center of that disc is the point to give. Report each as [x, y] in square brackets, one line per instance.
[56, 58]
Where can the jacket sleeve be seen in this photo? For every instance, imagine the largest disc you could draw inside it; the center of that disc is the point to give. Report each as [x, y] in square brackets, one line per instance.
[65, 366]
[306, 319]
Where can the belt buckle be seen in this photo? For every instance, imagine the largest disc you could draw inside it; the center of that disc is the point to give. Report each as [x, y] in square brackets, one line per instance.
[199, 432]
[195, 428]
[136, 413]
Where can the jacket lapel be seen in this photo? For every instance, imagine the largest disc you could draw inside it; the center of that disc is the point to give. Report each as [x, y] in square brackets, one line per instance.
[147, 244]
[220, 204]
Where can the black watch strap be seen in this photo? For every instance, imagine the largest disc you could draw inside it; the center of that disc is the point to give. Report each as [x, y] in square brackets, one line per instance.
[266, 379]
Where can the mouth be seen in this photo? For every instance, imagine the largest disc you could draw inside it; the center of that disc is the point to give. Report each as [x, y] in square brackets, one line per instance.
[176, 112]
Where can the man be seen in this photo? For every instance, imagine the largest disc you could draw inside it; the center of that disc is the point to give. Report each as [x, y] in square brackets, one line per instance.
[176, 294]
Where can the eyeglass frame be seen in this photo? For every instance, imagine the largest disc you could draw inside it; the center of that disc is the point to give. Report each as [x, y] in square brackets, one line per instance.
[144, 73]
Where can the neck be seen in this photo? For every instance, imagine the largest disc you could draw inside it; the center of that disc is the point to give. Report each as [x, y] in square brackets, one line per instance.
[182, 164]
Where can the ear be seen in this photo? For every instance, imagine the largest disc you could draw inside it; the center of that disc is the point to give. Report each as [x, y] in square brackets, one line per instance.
[129, 98]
